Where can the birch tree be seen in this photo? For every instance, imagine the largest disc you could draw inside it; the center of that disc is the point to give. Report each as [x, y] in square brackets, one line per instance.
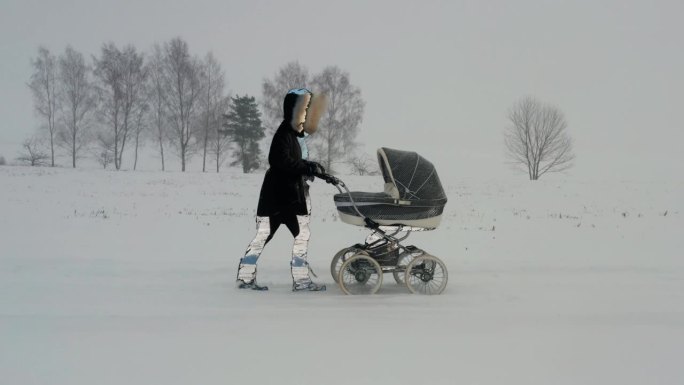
[334, 142]
[77, 102]
[139, 128]
[156, 99]
[109, 73]
[291, 75]
[182, 90]
[43, 85]
[121, 77]
[213, 79]
[135, 98]
[220, 141]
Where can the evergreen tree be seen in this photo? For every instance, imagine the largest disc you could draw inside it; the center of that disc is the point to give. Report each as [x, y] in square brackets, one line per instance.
[243, 126]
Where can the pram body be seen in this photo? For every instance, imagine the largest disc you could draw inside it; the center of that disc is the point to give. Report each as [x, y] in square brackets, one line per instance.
[413, 200]
[413, 194]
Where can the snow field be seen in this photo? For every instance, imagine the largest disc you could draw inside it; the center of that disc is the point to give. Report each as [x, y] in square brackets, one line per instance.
[127, 277]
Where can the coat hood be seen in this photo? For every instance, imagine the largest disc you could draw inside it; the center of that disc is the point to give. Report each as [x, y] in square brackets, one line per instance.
[295, 106]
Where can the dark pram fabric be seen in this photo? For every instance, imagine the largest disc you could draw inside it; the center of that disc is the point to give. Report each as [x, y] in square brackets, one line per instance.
[413, 193]
[415, 177]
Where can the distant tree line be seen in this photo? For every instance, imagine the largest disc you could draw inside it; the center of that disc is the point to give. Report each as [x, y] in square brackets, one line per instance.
[107, 106]
[122, 97]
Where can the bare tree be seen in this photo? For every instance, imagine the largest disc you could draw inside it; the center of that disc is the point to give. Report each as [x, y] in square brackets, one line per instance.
[135, 97]
[122, 78]
[138, 129]
[104, 148]
[156, 95]
[362, 164]
[291, 75]
[213, 80]
[43, 85]
[537, 139]
[110, 93]
[105, 158]
[339, 125]
[182, 90]
[33, 153]
[220, 141]
[77, 101]
[3, 162]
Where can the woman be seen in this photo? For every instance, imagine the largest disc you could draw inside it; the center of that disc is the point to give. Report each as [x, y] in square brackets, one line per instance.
[284, 197]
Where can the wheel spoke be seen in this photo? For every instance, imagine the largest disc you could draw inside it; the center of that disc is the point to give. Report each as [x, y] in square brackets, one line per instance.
[361, 274]
[404, 259]
[426, 275]
[338, 260]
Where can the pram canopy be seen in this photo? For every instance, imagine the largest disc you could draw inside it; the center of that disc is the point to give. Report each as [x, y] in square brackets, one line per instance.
[413, 194]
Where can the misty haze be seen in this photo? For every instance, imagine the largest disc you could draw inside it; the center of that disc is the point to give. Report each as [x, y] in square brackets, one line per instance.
[530, 152]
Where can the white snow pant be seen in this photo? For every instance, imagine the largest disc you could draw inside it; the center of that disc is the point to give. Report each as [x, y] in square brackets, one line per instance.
[266, 227]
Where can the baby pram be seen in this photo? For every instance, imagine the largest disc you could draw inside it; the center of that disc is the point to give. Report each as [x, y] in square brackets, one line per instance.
[413, 200]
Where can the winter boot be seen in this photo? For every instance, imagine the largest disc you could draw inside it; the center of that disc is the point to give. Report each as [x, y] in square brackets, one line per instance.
[307, 286]
[250, 285]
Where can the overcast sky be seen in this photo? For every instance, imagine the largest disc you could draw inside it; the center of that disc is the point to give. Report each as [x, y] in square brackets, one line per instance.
[437, 76]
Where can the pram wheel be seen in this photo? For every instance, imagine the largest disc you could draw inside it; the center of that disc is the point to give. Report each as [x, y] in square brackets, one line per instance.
[360, 274]
[339, 259]
[400, 271]
[426, 274]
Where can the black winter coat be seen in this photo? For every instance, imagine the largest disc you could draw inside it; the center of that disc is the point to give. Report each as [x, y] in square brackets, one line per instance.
[283, 189]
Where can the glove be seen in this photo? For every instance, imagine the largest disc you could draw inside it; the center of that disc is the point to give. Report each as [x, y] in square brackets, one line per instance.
[331, 180]
[315, 168]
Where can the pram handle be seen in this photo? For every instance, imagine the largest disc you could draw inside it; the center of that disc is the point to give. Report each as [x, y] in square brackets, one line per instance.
[342, 188]
[329, 179]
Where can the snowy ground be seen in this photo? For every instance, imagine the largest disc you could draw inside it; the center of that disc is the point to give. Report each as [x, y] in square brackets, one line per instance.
[127, 278]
